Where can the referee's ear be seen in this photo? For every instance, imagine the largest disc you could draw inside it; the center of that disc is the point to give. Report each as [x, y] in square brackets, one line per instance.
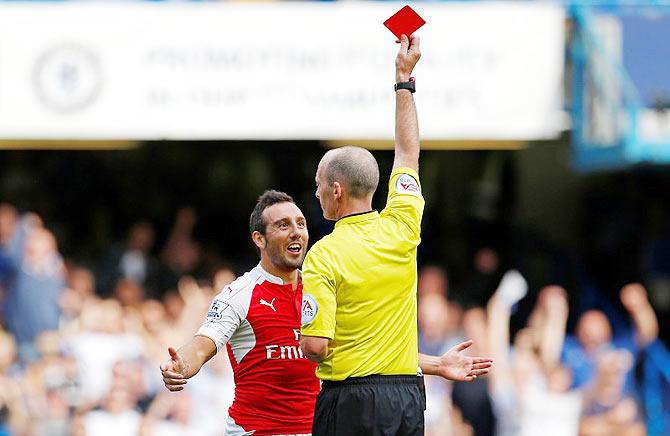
[338, 190]
[259, 239]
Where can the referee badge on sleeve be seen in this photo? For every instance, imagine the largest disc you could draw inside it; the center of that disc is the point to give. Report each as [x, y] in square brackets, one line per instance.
[406, 184]
[309, 308]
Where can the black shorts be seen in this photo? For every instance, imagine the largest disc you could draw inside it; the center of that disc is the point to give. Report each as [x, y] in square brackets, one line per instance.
[376, 405]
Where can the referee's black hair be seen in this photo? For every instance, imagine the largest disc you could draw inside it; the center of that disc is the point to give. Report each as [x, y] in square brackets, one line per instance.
[269, 198]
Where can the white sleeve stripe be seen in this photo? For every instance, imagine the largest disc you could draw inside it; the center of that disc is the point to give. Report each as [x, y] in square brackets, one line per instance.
[220, 324]
[233, 307]
[222, 329]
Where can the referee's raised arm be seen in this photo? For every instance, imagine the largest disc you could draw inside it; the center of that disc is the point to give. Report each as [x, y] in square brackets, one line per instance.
[406, 122]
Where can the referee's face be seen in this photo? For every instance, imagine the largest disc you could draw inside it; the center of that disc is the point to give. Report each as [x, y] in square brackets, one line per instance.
[325, 195]
[286, 236]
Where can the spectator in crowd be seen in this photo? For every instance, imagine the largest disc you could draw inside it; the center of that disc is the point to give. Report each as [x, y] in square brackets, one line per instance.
[80, 288]
[35, 283]
[212, 392]
[442, 417]
[9, 218]
[608, 410]
[438, 332]
[181, 254]
[13, 417]
[52, 387]
[222, 276]
[481, 284]
[472, 399]
[132, 260]
[117, 416]
[433, 284]
[129, 293]
[170, 415]
[594, 335]
[8, 362]
[8, 222]
[101, 341]
[432, 279]
[81, 280]
[528, 388]
[133, 376]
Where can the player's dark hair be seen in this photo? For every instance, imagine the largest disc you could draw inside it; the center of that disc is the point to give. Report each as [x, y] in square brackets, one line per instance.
[269, 198]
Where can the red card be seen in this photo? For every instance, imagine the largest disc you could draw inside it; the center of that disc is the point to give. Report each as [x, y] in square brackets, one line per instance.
[404, 22]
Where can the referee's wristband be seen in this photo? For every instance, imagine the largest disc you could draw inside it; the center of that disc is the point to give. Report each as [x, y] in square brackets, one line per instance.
[409, 85]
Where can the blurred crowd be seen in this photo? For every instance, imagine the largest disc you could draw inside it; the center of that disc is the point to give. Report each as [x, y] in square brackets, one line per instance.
[544, 381]
[80, 345]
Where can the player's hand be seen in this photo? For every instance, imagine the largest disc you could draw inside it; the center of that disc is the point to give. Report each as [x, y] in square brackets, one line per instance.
[173, 372]
[408, 56]
[456, 366]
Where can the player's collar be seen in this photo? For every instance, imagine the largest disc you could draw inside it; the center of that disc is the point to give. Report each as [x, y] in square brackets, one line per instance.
[267, 276]
[273, 278]
[357, 217]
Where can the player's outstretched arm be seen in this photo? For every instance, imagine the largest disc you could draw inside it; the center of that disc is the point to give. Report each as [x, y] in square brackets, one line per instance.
[406, 121]
[186, 362]
[455, 365]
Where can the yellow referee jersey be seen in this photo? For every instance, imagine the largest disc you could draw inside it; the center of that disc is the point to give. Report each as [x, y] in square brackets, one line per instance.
[360, 284]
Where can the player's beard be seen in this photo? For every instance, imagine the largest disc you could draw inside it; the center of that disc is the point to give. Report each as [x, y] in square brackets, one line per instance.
[280, 259]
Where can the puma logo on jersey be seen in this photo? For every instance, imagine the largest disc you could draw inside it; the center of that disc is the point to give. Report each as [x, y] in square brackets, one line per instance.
[270, 304]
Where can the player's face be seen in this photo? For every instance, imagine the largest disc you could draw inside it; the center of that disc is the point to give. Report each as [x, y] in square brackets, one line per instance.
[286, 235]
[325, 195]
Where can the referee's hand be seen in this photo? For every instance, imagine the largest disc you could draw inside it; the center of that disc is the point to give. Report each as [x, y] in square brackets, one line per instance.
[407, 57]
[456, 366]
[173, 372]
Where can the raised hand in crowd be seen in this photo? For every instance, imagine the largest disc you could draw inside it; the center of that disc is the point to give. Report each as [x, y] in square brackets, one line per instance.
[634, 299]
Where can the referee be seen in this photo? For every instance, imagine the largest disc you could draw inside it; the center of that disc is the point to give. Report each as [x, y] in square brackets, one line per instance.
[359, 303]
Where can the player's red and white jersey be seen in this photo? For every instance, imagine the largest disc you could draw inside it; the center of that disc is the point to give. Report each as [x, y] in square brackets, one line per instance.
[259, 319]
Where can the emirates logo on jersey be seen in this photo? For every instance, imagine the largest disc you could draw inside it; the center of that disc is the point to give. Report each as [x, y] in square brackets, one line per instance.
[287, 352]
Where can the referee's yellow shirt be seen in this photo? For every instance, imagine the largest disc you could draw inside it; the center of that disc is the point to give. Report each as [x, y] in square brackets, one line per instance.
[359, 287]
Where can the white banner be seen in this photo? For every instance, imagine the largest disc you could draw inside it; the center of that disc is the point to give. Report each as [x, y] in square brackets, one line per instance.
[274, 70]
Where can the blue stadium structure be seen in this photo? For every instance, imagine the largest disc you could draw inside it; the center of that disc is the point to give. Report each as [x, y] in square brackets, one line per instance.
[620, 84]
